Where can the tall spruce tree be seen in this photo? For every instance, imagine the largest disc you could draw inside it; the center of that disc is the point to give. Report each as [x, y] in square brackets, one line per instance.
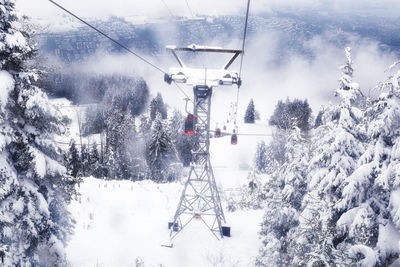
[35, 189]
[370, 197]
[96, 168]
[120, 138]
[291, 114]
[284, 191]
[337, 145]
[182, 143]
[250, 114]
[73, 160]
[157, 106]
[159, 151]
[260, 159]
[310, 218]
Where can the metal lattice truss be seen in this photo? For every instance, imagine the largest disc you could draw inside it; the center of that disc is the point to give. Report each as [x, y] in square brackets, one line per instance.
[200, 199]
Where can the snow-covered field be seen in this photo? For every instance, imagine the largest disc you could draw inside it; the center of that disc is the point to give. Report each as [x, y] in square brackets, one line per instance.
[118, 222]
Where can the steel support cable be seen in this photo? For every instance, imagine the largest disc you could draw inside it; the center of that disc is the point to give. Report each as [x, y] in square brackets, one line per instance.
[169, 10]
[244, 37]
[108, 37]
[190, 10]
[194, 35]
[244, 134]
[118, 43]
[241, 58]
[191, 14]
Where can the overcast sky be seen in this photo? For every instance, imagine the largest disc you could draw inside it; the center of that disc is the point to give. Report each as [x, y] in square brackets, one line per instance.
[157, 8]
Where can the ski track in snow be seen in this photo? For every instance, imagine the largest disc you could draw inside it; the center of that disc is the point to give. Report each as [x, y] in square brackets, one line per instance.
[120, 221]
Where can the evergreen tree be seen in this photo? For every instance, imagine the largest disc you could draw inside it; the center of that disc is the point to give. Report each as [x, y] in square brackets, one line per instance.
[157, 106]
[113, 137]
[35, 189]
[95, 166]
[260, 159]
[250, 115]
[290, 114]
[284, 191]
[85, 160]
[369, 203]
[125, 158]
[182, 143]
[159, 151]
[144, 126]
[124, 152]
[338, 144]
[317, 214]
[73, 160]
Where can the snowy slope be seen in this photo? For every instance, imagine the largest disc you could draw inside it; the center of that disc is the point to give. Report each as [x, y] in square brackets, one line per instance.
[120, 221]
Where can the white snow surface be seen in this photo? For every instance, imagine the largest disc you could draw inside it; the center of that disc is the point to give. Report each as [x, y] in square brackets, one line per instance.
[6, 85]
[370, 256]
[15, 40]
[120, 221]
[395, 206]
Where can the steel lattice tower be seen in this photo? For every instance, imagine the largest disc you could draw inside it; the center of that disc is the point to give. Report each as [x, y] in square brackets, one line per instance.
[200, 199]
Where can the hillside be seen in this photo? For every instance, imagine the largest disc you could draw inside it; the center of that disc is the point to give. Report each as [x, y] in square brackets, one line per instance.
[150, 37]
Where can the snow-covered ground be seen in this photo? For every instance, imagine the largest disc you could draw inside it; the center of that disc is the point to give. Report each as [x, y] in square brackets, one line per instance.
[120, 221]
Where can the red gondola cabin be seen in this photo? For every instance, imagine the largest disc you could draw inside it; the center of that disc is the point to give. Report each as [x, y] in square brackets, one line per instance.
[234, 139]
[218, 132]
[189, 124]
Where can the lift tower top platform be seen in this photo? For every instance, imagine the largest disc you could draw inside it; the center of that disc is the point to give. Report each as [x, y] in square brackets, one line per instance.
[196, 76]
[200, 199]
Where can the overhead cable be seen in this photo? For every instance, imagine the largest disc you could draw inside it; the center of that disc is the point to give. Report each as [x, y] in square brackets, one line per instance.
[108, 37]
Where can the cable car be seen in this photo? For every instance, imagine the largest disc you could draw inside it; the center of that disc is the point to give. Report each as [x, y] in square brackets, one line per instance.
[218, 132]
[189, 124]
[234, 139]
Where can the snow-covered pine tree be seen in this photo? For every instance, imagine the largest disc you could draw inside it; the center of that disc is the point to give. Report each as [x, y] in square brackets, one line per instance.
[183, 143]
[144, 126]
[96, 166]
[337, 146]
[371, 196]
[73, 161]
[35, 189]
[159, 153]
[126, 166]
[121, 143]
[85, 160]
[113, 137]
[250, 115]
[260, 159]
[284, 191]
[290, 114]
[157, 106]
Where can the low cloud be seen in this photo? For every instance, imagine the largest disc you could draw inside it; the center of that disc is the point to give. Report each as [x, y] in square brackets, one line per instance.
[267, 78]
